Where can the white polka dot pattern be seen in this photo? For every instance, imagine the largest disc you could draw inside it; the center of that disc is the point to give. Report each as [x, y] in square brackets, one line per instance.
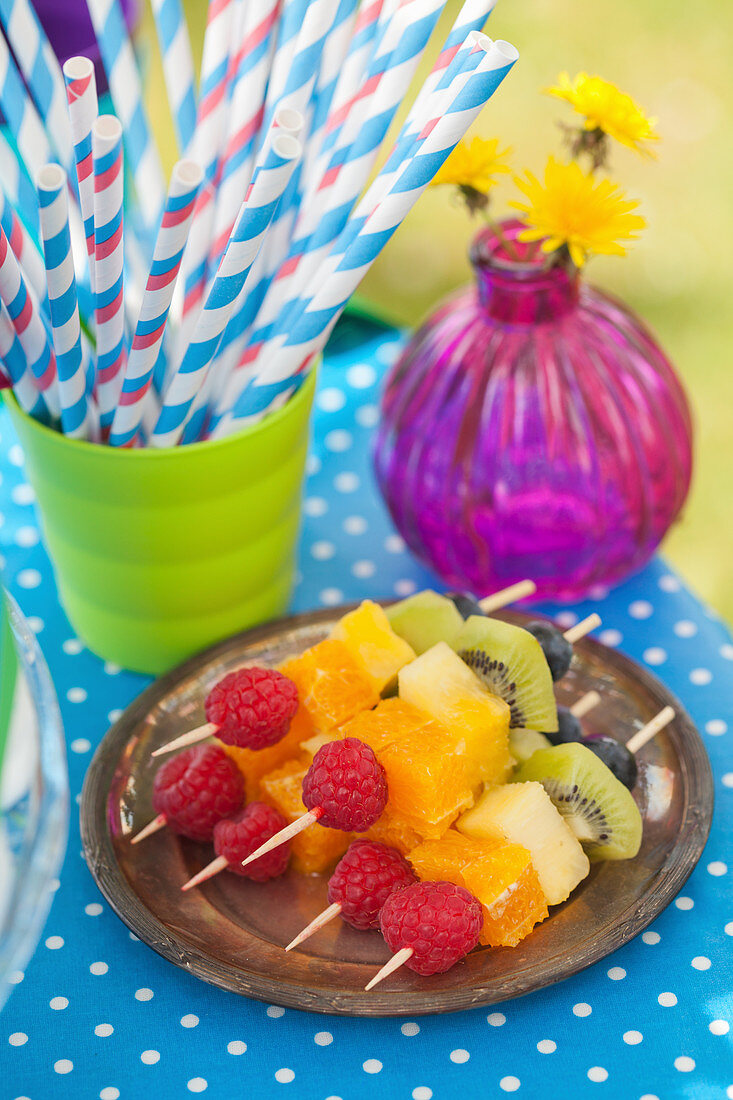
[101, 1010]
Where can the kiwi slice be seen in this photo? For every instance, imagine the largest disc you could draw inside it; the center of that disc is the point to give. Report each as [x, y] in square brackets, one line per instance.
[425, 619]
[511, 664]
[523, 743]
[598, 808]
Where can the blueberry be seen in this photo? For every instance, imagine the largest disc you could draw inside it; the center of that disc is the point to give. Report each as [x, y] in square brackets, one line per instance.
[465, 603]
[557, 650]
[616, 757]
[568, 728]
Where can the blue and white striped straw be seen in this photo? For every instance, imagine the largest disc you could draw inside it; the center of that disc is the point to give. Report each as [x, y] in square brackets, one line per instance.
[109, 309]
[22, 117]
[246, 240]
[42, 73]
[175, 49]
[284, 363]
[25, 314]
[156, 301]
[16, 364]
[124, 83]
[17, 184]
[65, 327]
[23, 246]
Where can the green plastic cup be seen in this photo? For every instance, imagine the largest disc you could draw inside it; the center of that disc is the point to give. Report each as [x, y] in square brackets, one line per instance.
[159, 553]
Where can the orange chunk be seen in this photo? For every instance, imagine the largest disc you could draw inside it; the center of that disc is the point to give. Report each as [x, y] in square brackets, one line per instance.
[316, 848]
[395, 831]
[331, 686]
[427, 786]
[379, 652]
[253, 764]
[390, 720]
[499, 874]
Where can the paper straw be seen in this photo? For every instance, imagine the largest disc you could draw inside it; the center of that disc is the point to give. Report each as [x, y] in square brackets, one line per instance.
[289, 357]
[109, 311]
[148, 338]
[17, 184]
[350, 23]
[292, 14]
[42, 73]
[288, 121]
[81, 93]
[342, 173]
[70, 363]
[254, 218]
[205, 150]
[25, 315]
[124, 83]
[15, 362]
[175, 49]
[251, 70]
[24, 247]
[472, 17]
[22, 117]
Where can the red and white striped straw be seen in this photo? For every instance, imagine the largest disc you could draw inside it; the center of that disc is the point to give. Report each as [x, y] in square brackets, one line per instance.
[256, 37]
[109, 263]
[81, 94]
[206, 149]
[148, 338]
[71, 359]
[25, 315]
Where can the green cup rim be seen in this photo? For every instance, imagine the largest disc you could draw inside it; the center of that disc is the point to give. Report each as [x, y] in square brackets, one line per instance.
[142, 454]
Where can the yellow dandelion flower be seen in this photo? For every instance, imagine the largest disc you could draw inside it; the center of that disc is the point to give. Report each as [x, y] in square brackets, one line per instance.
[571, 208]
[474, 165]
[606, 108]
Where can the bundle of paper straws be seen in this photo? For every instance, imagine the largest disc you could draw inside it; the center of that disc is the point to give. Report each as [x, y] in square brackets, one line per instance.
[271, 218]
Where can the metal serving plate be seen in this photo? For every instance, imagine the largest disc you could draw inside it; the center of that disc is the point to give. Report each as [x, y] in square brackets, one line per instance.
[231, 932]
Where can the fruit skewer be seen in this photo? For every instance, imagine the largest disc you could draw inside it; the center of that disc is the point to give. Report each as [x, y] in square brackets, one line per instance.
[230, 718]
[362, 881]
[347, 765]
[251, 708]
[236, 837]
[414, 923]
[193, 791]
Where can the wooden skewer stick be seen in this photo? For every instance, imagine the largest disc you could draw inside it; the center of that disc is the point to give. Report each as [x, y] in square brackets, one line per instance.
[209, 871]
[315, 925]
[506, 596]
[585, 704]
[651, 729]
[575, 633]
[209, 729]
[153, 826]
[303, 822]
[397, 960]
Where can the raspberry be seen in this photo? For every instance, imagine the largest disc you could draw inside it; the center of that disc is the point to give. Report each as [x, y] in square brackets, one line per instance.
[237, 837]
[348, 784]
[363, 880]
[439, 921]
[196, 789]
[252, 707]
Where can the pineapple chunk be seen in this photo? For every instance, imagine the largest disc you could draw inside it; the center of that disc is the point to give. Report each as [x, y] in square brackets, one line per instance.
[439, 683]
[371, 641]
[523, 813]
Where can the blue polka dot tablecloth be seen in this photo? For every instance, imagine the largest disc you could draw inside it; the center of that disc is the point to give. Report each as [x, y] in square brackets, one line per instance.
[99, 1016]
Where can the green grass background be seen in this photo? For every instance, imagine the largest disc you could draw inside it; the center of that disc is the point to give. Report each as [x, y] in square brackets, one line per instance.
[674, 59]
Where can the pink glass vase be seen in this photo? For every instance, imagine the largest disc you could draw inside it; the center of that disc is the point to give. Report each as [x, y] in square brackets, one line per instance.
[533, 428]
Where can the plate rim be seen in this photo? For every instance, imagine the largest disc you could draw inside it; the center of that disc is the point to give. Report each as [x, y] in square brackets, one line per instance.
[99, 854]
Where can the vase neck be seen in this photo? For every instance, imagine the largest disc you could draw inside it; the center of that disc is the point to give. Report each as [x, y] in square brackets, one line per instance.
[518, 288]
